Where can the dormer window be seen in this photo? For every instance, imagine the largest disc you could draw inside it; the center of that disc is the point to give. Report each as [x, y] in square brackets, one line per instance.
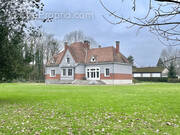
[93, 59]
[68, 60]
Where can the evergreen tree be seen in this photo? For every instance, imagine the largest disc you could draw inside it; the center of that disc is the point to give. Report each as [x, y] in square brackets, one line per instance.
[131, 60]
[4, 51]
[172, 71]
[13, 23]
[160, 63]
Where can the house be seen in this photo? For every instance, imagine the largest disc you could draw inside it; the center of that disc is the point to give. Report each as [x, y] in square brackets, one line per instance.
[150, 72]
[80, 62]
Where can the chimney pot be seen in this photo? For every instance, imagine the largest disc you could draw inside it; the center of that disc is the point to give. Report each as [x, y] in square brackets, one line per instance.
[87, 44]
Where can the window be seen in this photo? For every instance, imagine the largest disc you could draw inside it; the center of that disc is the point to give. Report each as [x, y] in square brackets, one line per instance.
[93, 59]
[64, 72]
[156, 74]
[53, 73]
[88, 76]
[93, 73]
[137, 75]
[146, 75]
[107, 72]
[69, 72]
[97, 74]
[68, 60]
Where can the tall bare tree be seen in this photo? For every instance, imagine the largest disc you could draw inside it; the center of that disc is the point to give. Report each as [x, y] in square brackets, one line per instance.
[51, 46]
[79, 36]
[41, 47]
[171, 55]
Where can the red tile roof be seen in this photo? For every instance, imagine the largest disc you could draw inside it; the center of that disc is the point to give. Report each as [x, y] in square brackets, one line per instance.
[78, 52]
[81, 54]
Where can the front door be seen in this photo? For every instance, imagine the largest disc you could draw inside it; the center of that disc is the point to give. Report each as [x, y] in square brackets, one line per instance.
[93, 73]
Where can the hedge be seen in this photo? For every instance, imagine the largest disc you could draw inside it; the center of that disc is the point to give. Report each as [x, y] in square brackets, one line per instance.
[173, 80]
[152, 79]
[156, 79]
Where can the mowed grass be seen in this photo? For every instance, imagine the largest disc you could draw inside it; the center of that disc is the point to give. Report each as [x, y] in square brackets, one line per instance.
[65, 109]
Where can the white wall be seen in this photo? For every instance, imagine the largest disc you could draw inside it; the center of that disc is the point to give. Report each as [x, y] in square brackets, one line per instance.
[48, 70]
[80, 69]
[64, 60]
[122, 69]
[117, 82]
[65, 65]
[165, 73]
[114, 68]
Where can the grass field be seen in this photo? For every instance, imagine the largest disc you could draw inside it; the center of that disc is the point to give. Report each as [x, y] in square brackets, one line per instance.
[62, 109]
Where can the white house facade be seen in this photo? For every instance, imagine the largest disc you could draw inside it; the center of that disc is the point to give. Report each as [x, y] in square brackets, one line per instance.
[79, 62]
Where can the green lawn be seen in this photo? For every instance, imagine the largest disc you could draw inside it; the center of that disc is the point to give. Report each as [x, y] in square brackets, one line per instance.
[62, 109]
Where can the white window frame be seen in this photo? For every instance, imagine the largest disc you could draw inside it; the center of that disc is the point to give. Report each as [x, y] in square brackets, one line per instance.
[97, 69]
[51, 73]
[105, 72]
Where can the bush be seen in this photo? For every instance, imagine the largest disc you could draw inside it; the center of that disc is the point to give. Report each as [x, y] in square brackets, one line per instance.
[152, 79]
[136, 81]
[173, 80]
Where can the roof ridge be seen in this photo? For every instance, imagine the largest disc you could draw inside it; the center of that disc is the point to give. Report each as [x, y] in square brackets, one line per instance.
[101, 47]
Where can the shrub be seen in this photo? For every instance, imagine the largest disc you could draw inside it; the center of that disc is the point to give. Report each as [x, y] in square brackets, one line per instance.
[152, 79]
[173, 80]
[136, 81]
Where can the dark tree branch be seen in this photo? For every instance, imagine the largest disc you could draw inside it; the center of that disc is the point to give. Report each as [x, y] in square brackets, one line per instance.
[163, 21]
[173, 1]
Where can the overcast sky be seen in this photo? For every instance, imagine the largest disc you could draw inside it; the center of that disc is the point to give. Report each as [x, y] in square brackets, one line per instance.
[144, 46]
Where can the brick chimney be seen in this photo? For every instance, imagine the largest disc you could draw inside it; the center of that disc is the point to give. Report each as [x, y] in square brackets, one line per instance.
[87, 44]
[117, 46]
[65, 45]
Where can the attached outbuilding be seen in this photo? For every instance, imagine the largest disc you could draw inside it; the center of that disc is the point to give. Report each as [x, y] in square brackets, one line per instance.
[150, 72]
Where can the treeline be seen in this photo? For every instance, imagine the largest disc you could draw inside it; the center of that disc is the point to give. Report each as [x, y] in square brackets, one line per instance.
[23, 57]
[24, 50]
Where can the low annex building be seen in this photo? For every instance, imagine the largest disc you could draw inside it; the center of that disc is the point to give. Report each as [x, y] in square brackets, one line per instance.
[150, 72]
[80, 62]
